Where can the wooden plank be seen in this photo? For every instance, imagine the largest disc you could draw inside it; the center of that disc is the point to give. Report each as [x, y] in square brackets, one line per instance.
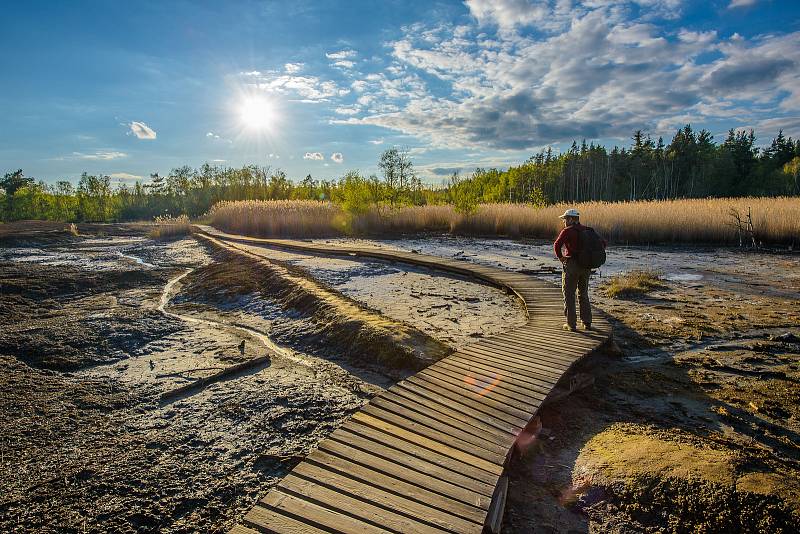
[522, 358]
[374, 495]
[447, 436]
[533, 344]
[491, 374]
[350, 513]
[470, 362]
[494, 521]
[498, 409]
[463, 405]
[415, 457]
[438, 421]
[532, 355]
[272, 520]
[510, 364]
[483, 381]
[422, 441]
[392, 484]
[447, 409]
[557, 335]
[510, 367]
[420, 476]
[480, 359]
[241, 529]
[487, 390]
[563, 354]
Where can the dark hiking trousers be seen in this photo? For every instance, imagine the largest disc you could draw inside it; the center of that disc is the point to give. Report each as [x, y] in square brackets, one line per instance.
[576, 277]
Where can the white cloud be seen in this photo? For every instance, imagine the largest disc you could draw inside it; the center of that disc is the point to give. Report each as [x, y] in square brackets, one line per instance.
[557, 15]
[341, 54]
[101, 155]
[770, 127]
[292, 68]
[124, 177]
[314, 156]
[697, 37]
[337, 157]
[344, 64]
[508, 13]
[377, 141]
[347, 110]
[741, 3]
[309, 89]
[603, 76]
[212, 135]
[142, 131]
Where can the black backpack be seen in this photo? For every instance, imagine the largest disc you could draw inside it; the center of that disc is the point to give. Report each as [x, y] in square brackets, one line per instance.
[591, 251]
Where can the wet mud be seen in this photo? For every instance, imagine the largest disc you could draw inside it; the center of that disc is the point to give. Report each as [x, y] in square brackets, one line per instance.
[100, 328]
[86, 355]
[691, 424]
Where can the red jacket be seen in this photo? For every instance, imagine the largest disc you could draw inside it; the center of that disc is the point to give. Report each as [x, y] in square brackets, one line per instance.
[568, 239]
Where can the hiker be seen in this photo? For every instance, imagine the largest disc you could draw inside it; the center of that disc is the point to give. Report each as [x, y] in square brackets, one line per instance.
[580, 250]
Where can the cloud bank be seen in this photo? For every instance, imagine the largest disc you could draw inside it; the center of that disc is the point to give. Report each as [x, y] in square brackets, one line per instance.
[525, 74]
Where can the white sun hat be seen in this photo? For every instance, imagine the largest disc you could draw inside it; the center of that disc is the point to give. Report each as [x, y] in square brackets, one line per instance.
[570, 213]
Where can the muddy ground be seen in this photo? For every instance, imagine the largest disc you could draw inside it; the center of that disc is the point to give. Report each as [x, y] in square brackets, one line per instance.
[691, 424]
[97, 328]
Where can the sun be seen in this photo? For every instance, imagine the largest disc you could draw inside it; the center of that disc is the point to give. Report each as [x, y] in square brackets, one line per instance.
[257, 113]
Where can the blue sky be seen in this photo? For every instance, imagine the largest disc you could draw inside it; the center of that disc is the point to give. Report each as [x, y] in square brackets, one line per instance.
[132, 88]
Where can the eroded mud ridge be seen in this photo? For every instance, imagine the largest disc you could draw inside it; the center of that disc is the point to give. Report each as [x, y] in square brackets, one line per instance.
[238, 277]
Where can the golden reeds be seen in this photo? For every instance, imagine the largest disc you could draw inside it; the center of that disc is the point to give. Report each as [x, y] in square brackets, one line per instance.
[775, 220]
[170, 227]
[280, 218]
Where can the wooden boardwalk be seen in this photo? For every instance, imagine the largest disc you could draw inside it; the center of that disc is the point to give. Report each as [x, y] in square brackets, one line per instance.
[429, 453]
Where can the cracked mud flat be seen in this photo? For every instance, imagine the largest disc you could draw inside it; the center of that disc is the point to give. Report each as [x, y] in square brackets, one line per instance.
[86, 353]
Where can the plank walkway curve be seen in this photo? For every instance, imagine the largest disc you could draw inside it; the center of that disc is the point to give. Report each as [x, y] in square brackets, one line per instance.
[428, 455]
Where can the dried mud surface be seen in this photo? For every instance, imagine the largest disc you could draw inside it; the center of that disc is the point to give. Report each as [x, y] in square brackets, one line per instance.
[96, 328]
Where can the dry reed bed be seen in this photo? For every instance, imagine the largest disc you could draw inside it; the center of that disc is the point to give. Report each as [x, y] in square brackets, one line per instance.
[775, 220]
[170, 227]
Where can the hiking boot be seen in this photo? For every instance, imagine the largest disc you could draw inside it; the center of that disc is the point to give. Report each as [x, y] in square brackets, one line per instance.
[570, 328]
[587, 326]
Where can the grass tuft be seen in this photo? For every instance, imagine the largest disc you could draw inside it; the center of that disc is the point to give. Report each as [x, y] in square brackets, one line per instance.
[635, 283]
[171, 227]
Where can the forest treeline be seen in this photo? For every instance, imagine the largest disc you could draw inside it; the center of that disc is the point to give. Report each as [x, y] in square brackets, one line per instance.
[692, 165]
